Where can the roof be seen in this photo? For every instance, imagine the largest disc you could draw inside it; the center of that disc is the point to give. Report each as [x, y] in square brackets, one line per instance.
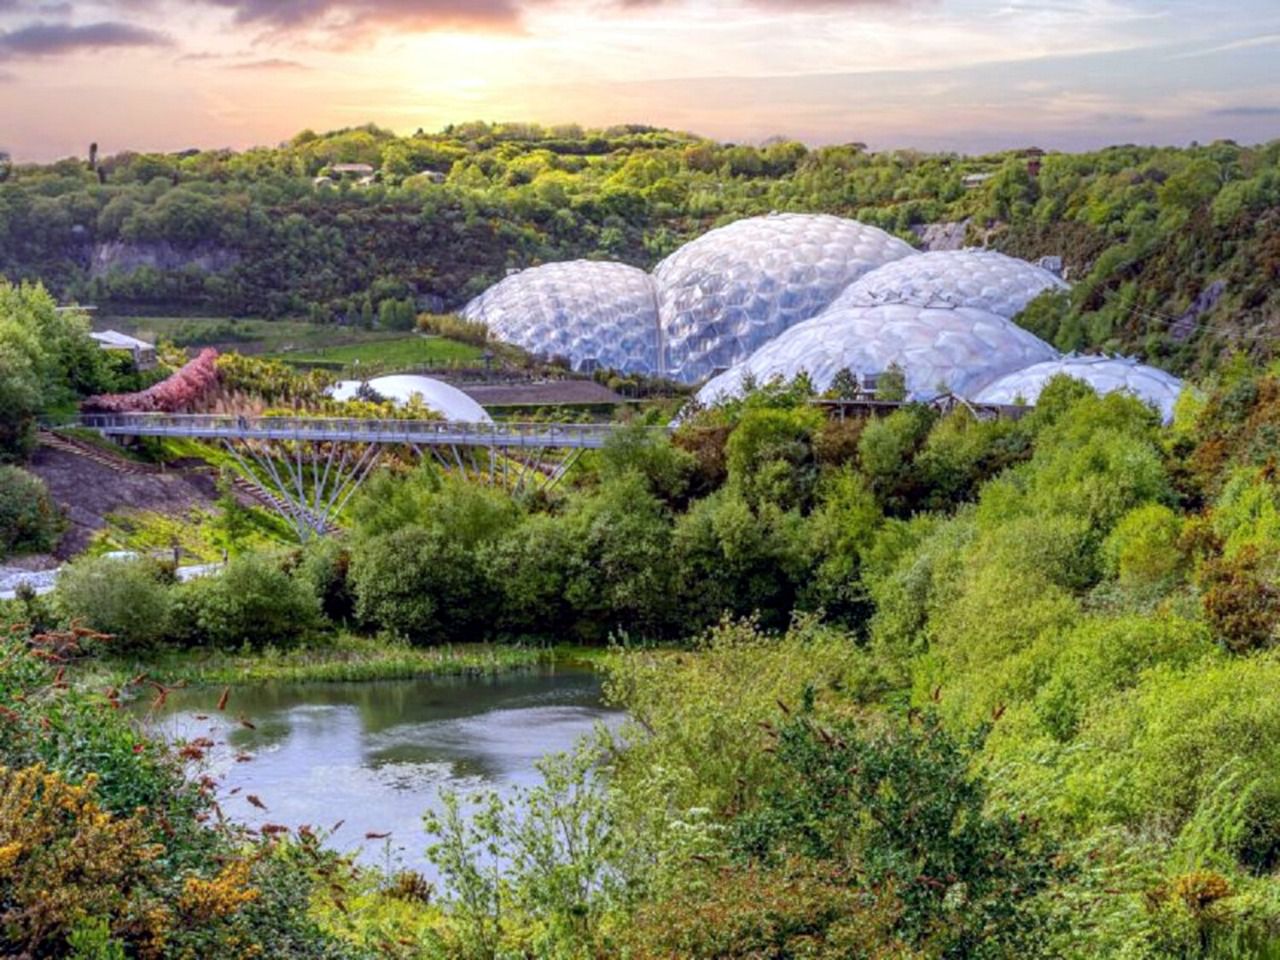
[352, 168]
[115, 340]
[553, 393]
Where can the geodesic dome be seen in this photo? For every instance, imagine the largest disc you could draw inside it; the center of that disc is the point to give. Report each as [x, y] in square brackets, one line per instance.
[1104, 374]
[957, 350]
[732, 290]
[446, 400]
[982, 279]
[594, 314]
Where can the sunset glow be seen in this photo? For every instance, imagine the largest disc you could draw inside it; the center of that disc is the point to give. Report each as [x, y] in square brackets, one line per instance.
[949, 74]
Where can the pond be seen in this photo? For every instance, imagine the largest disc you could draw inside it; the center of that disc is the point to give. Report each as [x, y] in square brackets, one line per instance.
[375, 755]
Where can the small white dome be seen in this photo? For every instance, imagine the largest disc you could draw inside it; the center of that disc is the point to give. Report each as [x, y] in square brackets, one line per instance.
[1104, 374]
[448, 401]
[728, 292]
[595, 314]
[982, 279]
[958, 349]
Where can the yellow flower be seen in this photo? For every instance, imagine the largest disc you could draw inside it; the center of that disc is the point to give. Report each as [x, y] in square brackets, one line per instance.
[9, 854]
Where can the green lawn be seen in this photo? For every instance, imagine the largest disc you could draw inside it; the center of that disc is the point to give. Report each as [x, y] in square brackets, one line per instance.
[404, 352]
[339, 349]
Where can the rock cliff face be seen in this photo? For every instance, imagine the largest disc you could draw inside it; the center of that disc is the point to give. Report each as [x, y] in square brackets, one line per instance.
[941, 236]
[119, 256]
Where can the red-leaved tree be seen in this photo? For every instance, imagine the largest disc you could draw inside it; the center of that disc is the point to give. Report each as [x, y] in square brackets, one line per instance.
[181, 393]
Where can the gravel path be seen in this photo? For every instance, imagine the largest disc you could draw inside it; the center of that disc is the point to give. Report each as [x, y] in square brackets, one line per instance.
[44, 580]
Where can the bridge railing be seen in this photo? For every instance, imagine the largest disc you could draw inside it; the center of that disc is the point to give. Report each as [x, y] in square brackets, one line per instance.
[318, 429]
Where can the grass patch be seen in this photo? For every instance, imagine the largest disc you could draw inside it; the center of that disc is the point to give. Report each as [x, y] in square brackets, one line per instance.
[246, 335]
[193, 533]
[402, 353]
[345, 658]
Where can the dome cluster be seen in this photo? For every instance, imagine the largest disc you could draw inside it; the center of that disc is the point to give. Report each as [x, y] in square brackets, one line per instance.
[736, 288]
[776, 296]
[704, 308]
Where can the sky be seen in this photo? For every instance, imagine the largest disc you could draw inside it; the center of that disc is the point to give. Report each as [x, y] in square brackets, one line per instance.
[968, 75]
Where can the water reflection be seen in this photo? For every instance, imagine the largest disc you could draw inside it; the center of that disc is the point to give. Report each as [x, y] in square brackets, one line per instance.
[376, 754]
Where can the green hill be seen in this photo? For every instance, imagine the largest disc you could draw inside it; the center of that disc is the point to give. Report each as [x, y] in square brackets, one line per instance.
[1174, 253]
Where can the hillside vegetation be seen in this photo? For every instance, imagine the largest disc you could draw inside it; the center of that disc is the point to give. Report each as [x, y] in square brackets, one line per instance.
[1175, 252]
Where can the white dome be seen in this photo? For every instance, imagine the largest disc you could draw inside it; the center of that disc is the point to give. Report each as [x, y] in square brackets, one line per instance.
[592, 313]
[958, 349]
[982, 279]
[448, 401]
[732, 290]
[1104, 374]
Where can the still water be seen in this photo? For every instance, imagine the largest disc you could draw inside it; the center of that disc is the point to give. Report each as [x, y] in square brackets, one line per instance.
[376, 754]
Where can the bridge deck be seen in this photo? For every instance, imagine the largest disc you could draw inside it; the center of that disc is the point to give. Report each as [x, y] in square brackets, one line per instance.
[525, 436]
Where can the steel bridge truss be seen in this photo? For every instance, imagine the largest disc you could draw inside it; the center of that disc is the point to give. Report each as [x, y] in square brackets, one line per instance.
[309, 483]
[308, 469]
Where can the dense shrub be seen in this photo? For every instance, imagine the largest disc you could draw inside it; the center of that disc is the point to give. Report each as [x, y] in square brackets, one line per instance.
[253, 601]
[1143, 549]
[1242, 600]
[325, 567]
[122, 597]
[106, 847]
[30, 522]
[416, 565]
[898, 810]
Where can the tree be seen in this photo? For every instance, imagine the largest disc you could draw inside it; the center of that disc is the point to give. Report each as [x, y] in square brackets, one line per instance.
[123, 598]
[30, 522]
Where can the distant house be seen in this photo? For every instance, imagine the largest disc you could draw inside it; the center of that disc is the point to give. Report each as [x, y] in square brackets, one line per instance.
[352, 170]
[975, 180]
[435, 176]
[143, 353]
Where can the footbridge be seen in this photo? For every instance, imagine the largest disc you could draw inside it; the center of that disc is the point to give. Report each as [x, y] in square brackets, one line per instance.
[312, 466]
[436, 433]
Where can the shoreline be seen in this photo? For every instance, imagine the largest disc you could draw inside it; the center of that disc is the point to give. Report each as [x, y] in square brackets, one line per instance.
[349, 658]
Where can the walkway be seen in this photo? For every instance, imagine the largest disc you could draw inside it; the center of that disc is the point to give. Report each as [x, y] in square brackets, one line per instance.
[433, 433]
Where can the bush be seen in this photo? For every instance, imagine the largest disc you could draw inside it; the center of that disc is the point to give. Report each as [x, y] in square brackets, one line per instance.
[254, 601]
[397, 579]
[1143, 549]
[124, 598]
[30, 522]
[898, 808]
[1149, 758]
[886, 450]
[325, 566]
[417, 567]
[107, 848]
[1241, 600]
[63, 859]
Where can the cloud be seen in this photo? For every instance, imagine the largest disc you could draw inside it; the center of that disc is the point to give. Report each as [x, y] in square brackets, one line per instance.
[1264, 40]
[356, 18]
[53, 39]
[1246, 111]
[274, 63]
[336, 15]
